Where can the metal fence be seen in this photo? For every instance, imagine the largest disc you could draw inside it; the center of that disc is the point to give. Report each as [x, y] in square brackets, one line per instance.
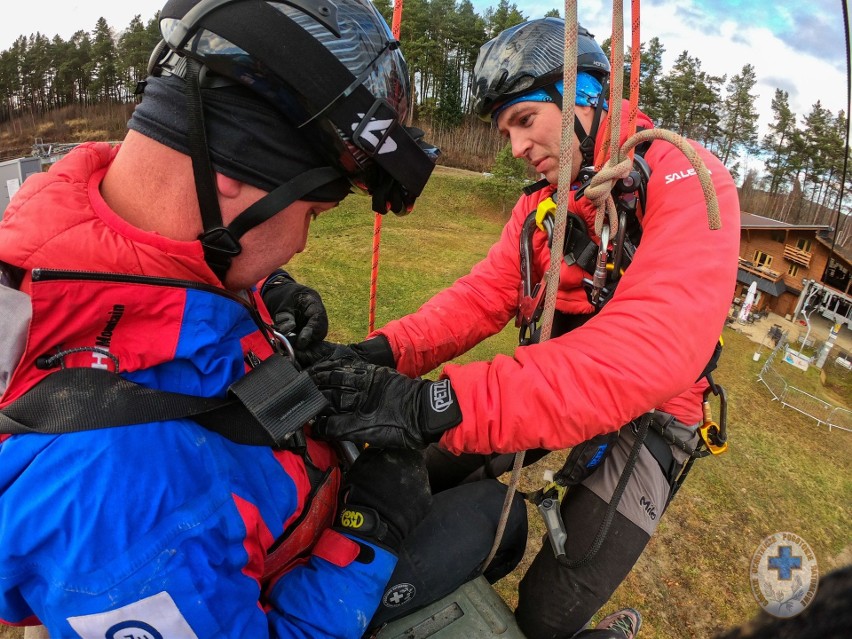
[822, 411]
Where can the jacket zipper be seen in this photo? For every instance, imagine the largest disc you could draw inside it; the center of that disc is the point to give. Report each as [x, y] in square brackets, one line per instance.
[47, 275]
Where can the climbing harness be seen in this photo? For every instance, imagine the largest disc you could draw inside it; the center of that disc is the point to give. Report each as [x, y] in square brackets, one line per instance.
[604, 262]
[266, 407]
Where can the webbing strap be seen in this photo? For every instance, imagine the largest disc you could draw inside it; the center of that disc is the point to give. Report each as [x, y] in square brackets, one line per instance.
[579, 248]
[279, 397]
[281, 198]
[640, 430]
[265, 407]
[202, 166]
[661, 451]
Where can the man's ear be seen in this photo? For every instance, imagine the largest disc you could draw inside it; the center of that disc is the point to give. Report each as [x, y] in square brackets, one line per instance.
[586, 115]
[228, 187]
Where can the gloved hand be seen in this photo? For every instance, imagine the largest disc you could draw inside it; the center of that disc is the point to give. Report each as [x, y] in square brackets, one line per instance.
[296, 309]
[378, 406]
[376, 350]
[385, 496]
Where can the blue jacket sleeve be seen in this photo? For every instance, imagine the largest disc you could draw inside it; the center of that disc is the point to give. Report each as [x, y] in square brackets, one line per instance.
[345, 592]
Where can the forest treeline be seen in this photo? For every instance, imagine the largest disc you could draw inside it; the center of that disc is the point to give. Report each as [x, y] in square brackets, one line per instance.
[803, 153]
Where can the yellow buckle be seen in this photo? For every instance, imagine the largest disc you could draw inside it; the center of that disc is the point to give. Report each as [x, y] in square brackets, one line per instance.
[546, 207]
[554, 487]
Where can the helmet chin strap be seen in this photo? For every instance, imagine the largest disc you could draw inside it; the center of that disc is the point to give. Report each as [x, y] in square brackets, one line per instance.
[221, 244]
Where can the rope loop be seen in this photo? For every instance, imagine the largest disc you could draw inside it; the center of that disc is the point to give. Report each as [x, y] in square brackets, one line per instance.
[714, 220]
[599, 192]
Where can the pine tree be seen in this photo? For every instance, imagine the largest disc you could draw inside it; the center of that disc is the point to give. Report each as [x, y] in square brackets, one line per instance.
[739, 116]
[649, 78]
[105, 57]
[133, 51]
[690, 100]
[504, 16]
[777, 144]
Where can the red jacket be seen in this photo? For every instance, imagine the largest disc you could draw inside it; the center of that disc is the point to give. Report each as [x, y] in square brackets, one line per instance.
[644, 350]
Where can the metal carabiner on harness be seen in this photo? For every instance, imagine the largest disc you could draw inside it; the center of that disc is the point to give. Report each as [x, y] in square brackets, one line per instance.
[599, 277]
[282, 341]
[530, 298]
[715, 435]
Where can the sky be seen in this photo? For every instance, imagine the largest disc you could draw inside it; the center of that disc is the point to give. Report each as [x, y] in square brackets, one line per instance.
[798, 46]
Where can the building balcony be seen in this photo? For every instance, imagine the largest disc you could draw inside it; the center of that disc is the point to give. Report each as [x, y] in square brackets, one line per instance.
[761, 271]
[797, 255]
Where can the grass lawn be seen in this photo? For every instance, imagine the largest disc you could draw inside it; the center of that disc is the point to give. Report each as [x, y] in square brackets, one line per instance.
[783, 472]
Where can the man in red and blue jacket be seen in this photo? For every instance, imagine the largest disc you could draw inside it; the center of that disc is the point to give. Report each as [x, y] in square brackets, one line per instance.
[645, 350]
[140, 261]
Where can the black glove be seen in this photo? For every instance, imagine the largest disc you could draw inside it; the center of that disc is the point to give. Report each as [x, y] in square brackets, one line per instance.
[376, 350]
[296, 309]
[376, 405]
[385, 496]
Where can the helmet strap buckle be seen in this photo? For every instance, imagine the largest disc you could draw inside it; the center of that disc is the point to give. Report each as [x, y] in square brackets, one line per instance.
[220, 247]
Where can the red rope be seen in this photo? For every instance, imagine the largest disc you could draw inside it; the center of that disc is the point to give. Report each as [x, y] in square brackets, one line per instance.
[397, 18]
[635, 64]
[377, 219]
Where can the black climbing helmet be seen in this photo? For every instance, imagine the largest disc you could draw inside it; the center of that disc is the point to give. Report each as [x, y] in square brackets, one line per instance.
[528, 56]
[330, 67]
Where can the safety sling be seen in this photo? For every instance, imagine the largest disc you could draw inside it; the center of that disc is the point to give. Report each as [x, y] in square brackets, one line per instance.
[267, 407]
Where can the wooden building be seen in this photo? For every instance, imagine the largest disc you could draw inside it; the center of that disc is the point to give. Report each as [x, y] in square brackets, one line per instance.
[782, 258]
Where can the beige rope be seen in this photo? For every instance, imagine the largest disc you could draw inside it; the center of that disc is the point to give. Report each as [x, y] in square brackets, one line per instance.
[599, 190]
[569, 88]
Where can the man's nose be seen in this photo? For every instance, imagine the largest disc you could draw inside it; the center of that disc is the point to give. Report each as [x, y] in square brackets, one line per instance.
[520, 145]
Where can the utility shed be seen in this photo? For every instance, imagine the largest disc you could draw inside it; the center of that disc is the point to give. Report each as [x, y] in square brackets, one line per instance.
[12, 175]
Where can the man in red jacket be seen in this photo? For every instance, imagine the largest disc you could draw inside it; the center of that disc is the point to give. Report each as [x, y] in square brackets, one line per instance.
[627, 374]
[127, 277]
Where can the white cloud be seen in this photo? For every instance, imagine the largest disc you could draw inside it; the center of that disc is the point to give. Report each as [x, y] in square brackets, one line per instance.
[724, 41]
[63, 18]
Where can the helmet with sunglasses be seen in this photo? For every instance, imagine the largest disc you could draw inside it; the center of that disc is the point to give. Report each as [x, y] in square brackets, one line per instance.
[330, 67]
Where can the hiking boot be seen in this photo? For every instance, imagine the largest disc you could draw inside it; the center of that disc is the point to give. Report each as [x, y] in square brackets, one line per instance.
[626, 621]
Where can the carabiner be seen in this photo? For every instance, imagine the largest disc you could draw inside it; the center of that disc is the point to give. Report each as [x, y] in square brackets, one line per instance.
[715, 436]
[530, 298]
[599, 276]
[548, 502]
[283, 341]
